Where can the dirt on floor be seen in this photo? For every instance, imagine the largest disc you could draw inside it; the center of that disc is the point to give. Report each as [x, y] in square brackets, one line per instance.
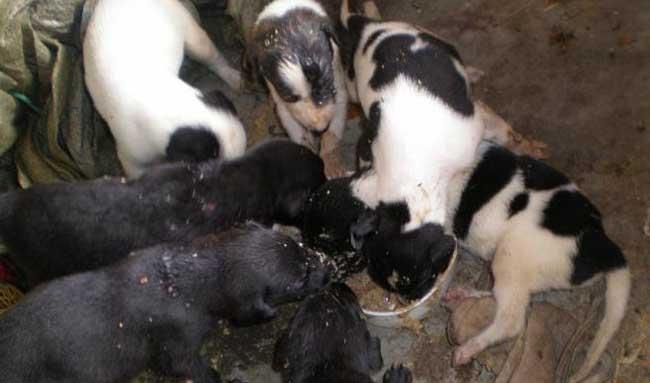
[571, 73]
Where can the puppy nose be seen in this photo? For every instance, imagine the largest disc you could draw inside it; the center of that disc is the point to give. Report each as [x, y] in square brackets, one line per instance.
[319, 278]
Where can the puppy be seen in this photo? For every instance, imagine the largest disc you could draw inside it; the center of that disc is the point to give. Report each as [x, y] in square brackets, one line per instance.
[422, 126]
[328, 341]
[131, 71]
[540, 232]
[328, 216]
[152, 310]
[536, 228]
[295, 49]
[57, 229]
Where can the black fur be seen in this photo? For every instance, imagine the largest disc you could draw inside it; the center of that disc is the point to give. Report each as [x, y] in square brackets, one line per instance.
[540, 176]
[192, 144]
[569, 212]
[596, 254]
[329, 214]
[153, 309]
[301, 37]
[430, 67]
[328, 341]
[58, 229]
[493, 172]
[519, 203]
[398, 374]
[404, 262]
[218, 100]
[369, 128]
[350, 38]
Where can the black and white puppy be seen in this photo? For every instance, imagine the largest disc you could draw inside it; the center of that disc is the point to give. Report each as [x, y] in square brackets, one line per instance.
[540, 233]
[294, 47]
[415, 94]
[328, 341]
[131, 71]
[57, 229]
[153, 309]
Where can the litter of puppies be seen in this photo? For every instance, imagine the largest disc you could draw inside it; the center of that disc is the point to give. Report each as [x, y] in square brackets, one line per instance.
[129, 274]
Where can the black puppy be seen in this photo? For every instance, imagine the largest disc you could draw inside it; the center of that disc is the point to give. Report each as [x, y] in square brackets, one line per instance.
[153, 309]
[407, 262]
[328, 215]
[328, 341]
[57, 229]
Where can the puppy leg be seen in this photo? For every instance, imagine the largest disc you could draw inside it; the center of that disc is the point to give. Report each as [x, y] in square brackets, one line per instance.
[199, 47]
[398, 374]
[512, 296]
[462, 293]
[331, 139]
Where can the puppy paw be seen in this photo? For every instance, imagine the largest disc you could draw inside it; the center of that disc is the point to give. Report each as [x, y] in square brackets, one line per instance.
[333, 166]
[465, 353]
[398, 374]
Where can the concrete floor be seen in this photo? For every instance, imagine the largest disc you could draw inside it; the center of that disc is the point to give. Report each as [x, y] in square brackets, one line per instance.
[572, 73]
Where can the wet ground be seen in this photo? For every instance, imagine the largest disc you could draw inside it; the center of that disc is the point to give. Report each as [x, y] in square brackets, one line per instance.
[572, 73]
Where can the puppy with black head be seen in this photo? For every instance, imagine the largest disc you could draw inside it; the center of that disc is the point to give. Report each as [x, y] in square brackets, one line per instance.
[328, 341]
[131, 71]
[153, 309]
[422, 130]
[295, 49]
[58, 229]
[538, 230]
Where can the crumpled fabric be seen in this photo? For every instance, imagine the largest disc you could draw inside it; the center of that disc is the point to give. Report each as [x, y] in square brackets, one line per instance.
[46, 113]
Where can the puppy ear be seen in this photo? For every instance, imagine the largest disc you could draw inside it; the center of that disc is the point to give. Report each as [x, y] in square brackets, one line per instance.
[331, 34]
[441, 252]
[366, 224]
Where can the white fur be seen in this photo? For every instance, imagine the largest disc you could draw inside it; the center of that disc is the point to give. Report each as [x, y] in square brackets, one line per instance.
[279, 8]
[131, 71]
[526, 259]
[421, 143]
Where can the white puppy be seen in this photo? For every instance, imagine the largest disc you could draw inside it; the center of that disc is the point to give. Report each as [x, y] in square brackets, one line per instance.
[133, 51]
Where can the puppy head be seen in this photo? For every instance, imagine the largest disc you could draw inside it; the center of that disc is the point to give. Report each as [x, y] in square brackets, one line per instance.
[295, 54]
[293, 172]
[404, 262]
[327, 340]
[263, 269]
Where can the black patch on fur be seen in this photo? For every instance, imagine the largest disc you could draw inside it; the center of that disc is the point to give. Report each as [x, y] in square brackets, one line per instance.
[192, 144]
[327, 340]
[398, 374]
[415, 257]
[431, 67]
[329, 214]
[96, 223]
[288, 40]
[369, 129]
[540, 176]
[519, 203]
[596, 254]
[568, 213]
[218, 100]
[158, 306]
[493, 172]
[372, 38]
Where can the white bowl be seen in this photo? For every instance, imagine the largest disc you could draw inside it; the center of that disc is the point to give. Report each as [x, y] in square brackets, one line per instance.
[416, 311]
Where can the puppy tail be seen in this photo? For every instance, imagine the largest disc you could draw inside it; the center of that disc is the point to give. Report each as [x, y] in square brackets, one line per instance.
[616, 297]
